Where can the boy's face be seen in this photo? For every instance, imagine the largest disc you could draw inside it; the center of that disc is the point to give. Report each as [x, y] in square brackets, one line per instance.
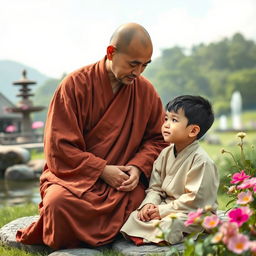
[174, 128]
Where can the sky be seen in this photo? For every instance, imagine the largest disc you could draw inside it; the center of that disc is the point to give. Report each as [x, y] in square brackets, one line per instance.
[59, 36]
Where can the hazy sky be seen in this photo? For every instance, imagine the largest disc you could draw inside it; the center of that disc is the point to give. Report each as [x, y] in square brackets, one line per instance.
[57, 36]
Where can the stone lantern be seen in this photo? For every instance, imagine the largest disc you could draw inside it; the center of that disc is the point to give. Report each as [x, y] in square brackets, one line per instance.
[25, 107]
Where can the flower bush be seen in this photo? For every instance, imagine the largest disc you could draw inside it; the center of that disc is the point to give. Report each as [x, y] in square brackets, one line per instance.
[236, 233]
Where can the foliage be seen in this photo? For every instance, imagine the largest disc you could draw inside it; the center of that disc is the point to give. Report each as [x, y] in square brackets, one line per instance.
[43, 96]
[215, 71]
[227, 166]
[237, 234]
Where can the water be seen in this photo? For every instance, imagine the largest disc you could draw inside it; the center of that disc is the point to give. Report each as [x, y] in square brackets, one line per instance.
[18, 192]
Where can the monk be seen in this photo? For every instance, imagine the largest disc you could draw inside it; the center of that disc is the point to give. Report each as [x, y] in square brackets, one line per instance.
[102, 135]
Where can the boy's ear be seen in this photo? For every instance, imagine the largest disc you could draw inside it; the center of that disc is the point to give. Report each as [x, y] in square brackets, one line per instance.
[110, 51]
[195, 129]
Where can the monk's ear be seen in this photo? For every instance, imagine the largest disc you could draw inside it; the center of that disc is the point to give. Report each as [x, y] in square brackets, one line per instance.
[194, 130]
[110, 51]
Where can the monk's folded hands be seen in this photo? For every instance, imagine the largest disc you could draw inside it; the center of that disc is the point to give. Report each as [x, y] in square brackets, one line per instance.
[114, 175]
[131, 183]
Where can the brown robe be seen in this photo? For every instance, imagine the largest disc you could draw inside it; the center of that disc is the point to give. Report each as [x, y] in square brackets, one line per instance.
[89, 126]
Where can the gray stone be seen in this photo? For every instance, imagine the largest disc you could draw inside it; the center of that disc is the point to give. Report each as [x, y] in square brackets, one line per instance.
[76, 252]
[19, 172]
[13, 155]
[37, 165]
[8, 235]
[129, 249]
[212, 139]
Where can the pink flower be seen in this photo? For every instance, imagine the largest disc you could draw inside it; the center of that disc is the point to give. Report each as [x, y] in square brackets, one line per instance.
[253, 246]
[228, 229]
[248, 183]
[238, 216]
[238, 177]
[192, 216]
[238, 243]
[244, 197]
[217, 238]
[211, 221]
[246, 210]
[11, 128]
[37, 124]
[24, 107]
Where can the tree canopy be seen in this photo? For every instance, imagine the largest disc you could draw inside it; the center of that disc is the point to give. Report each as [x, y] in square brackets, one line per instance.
[212, 70]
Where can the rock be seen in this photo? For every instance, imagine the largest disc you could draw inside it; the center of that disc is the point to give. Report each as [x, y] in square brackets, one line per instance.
[212, 139]
[8, 235]
[12, 155]
[19, 172]
[37, 165]
[76, 252]
[129, 249]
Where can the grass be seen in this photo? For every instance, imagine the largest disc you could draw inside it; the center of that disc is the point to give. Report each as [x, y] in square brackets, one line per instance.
[8, 214]
[37, 155]
[7, 251]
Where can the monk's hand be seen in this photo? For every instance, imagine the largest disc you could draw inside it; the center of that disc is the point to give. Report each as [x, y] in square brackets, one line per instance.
[115, 175]
[144, 213]
[134, 177]
[154, 213]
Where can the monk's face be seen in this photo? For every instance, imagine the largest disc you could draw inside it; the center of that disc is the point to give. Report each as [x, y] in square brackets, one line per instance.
[128, 64]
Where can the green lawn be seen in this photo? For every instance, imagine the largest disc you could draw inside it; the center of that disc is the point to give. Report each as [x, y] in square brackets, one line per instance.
[8, 214]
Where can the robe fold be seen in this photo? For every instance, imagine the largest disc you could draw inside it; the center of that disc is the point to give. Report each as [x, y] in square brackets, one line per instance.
[89, 127]
[178, 185]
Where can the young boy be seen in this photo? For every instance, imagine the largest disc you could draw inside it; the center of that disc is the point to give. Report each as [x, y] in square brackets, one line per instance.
[184, 178]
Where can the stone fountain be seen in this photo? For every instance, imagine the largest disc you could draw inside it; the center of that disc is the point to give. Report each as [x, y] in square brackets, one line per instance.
[25, 107]
[236, 110]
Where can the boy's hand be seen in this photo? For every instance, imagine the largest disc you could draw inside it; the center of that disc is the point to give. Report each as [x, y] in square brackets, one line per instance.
[154, 213]
[148, 212]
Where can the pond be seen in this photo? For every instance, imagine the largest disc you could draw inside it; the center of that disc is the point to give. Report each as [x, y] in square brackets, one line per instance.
[18, 192]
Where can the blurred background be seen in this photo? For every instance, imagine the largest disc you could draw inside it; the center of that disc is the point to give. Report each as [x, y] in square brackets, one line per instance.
[203, 47]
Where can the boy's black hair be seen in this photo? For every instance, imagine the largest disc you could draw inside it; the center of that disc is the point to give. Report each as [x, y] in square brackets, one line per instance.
[197, 110]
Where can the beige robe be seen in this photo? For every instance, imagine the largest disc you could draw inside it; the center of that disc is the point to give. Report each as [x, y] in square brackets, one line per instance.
[178, 185]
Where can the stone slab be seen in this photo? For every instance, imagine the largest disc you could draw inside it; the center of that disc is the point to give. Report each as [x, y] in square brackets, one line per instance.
[8, 235]
[76, 252]
[129, 249]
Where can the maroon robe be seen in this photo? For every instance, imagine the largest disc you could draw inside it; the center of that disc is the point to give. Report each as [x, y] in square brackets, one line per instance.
[89, 126]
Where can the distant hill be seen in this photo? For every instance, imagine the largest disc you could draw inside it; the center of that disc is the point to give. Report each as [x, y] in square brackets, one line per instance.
[43, 96]
[11, 71]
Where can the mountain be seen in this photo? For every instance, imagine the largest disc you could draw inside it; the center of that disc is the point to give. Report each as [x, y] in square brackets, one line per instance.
[11, 71]
[43, 96]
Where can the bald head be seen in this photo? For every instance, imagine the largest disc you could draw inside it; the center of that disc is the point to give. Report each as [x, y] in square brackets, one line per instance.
[126, 33]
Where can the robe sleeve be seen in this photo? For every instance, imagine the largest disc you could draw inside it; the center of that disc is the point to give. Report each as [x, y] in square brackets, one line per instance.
[201, 185]
[155, 193]
[152, 142]
[67, 161]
